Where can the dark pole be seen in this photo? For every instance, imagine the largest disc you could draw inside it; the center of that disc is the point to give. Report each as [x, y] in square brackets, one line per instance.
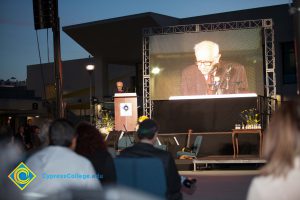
[91, 96]
[57, 62]
[295, 11]
[90, 69]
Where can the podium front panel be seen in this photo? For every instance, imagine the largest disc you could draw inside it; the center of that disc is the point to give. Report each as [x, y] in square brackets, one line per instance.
[125, 113]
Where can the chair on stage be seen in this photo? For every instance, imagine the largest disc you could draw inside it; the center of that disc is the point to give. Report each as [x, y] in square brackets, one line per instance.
[162, 146]
[194, 149]
[144, 174]
[125, 141]
[159, 145]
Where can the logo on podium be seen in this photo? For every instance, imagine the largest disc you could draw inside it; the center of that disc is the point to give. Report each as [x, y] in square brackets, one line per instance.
[125, 109]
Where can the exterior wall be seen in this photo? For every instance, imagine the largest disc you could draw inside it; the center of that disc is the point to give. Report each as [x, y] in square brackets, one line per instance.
[26, 105]
[76, 82]
[76, 79]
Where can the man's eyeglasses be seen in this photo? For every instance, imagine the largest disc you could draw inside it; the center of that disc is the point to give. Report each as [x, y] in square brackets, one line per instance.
[205, 63]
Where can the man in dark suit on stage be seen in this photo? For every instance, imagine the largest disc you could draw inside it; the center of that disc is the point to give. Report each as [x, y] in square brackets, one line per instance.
[210, 75]
[147, 134]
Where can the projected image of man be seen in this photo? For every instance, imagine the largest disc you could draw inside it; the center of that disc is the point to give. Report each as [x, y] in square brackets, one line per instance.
[210, 75]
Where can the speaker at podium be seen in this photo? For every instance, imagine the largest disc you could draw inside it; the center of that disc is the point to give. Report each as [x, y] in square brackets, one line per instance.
[125, 111]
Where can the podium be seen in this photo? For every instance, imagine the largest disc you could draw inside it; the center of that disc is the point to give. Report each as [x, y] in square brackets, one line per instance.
[125, 111]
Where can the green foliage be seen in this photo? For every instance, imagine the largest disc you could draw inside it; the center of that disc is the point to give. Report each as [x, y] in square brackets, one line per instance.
[250, 116]
[104, 121]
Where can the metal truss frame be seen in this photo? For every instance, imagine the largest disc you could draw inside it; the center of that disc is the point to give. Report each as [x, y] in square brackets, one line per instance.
[269, 52]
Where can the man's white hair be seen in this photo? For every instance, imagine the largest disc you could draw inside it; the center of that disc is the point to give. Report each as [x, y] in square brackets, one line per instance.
[206, 49]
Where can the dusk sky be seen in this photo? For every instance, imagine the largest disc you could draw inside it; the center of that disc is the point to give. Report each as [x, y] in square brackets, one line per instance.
[18, 45]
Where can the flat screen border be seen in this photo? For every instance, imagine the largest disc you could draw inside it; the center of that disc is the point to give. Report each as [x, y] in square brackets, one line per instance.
[269, 53]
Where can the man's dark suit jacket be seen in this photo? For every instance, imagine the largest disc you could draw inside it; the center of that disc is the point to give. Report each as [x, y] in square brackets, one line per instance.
[172, 176]
[233, 79]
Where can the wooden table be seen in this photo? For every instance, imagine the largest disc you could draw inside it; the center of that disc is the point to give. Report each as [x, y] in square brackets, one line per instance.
[235, 142]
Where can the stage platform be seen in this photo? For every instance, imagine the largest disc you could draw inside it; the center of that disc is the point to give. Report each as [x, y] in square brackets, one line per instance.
[227, 161]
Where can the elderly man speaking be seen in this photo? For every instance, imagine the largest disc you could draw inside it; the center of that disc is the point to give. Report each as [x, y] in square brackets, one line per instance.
[209, 75]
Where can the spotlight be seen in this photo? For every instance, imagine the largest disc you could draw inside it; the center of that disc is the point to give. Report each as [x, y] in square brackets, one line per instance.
[155, 70]
[90, 67]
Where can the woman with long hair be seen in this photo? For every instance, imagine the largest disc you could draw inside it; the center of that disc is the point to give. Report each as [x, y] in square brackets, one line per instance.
[91, 145]
[280, 177]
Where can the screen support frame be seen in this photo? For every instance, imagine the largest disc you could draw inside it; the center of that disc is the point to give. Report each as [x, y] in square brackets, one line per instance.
[269, 54]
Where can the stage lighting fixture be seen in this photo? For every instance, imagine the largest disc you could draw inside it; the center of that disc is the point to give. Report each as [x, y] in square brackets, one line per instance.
[44, 13]
[155, 70]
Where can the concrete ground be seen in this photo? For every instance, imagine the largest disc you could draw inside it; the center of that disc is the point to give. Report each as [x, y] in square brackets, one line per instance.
[220, 184]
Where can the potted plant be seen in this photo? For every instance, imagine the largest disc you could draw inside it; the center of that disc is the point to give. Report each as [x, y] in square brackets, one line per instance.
[251, 118]
[104, 121]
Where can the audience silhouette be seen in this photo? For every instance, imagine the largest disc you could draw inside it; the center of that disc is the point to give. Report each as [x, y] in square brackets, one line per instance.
[59, 160]
[91, 145]
[280, 176]
[147, 133]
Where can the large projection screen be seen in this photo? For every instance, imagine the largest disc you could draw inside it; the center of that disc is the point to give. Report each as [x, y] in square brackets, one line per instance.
[173, 53]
